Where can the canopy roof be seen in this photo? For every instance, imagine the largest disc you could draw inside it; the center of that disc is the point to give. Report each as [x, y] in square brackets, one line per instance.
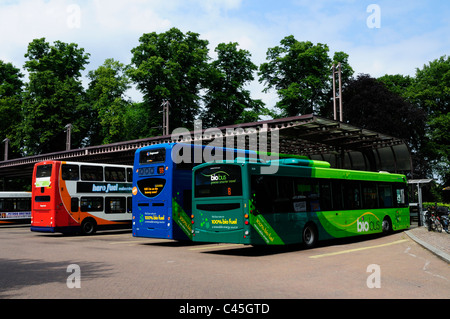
[340, 144]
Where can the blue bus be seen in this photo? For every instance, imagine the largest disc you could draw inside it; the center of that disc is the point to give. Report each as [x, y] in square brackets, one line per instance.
[162, 187]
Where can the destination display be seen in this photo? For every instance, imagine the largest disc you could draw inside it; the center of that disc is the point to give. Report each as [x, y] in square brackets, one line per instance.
[151, 187]
[220, 180]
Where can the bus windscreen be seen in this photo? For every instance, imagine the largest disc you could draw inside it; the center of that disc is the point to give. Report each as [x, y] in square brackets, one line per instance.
[218, 180]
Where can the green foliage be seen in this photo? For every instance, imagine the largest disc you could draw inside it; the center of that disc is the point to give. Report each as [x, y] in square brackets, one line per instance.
[431, 87]
[300, 72]
[106, 96]
[169, 66]
[429, 204]
[430, 91]
[53, 97]
[176, 67]
[370, 104]
[10, 103]
[398, 84]
[226, 100]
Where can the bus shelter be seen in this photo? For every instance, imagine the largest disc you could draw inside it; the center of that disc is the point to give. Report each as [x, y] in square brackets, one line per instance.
[416, 202]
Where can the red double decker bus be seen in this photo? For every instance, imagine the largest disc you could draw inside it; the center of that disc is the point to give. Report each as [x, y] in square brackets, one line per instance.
[80, 197]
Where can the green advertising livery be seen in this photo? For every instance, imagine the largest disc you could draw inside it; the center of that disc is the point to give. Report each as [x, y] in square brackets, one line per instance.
[302, 202]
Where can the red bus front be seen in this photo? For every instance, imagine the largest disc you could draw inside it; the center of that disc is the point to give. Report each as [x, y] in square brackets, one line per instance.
[48, 213]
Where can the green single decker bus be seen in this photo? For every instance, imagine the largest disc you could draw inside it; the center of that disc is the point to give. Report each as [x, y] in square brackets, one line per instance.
[303, 202]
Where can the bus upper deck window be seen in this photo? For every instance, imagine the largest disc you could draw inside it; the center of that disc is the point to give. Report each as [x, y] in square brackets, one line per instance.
[70, 172]
[91, 173]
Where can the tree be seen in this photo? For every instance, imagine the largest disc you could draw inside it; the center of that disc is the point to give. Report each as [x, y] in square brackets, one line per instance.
[11, 86]
[53, 97]
[169, 66]
[226, 100]
[369, 104]
[106, 96]
[439, 144]
[300, 72]
[430, 89]
[398, 84]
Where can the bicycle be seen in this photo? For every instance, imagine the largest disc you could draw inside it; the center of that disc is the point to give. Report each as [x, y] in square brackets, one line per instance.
[436, 224]
[444, 217]
[432, 220]
[445, 222]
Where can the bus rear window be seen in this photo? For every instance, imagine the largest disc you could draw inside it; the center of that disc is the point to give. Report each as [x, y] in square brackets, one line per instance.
[152, 156]
[42, 199]
[44, 170]
[218, 180]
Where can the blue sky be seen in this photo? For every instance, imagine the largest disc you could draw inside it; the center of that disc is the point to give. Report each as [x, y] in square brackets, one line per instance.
[410, 34]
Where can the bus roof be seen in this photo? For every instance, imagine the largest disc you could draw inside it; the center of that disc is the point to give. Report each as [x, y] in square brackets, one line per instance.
[318, 169]
[83, 163]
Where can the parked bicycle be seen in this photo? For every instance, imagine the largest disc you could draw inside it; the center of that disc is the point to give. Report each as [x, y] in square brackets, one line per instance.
[437, 218]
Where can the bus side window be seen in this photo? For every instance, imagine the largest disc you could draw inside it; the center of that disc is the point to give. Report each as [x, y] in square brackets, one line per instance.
[326, 199]
[91, 173]
[74, 204]
[129, 175]
[70, 172]
[115, 174]
[283, 199]
[264, 190]
[385, 196]
[115, 205]
[352, 195]
[91, 204]
[401, 198]
[369, 192]
[129, 204]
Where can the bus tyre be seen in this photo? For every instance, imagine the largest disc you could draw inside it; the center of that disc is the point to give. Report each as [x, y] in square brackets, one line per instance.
[310, 236]
[386, 225]
[88, 226]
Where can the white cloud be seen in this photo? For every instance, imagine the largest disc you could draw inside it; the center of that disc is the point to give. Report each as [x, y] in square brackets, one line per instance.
[406, 40]
[400, 57]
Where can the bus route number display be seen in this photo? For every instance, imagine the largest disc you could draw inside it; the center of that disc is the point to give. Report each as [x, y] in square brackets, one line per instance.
[224, 180]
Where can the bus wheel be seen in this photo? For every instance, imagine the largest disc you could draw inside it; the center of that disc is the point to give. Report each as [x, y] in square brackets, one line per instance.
[386, 225]
[310, 236]
[88, 226]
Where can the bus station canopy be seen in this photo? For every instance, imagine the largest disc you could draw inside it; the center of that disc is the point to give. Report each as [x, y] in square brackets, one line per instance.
[342, 145]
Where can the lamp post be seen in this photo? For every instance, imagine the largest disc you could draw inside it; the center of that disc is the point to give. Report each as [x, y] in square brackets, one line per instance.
[68, 128]
[6, 141]
[341, 111]
[165, 112]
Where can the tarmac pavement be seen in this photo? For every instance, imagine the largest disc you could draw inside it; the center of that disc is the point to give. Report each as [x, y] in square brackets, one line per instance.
[437, 243]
